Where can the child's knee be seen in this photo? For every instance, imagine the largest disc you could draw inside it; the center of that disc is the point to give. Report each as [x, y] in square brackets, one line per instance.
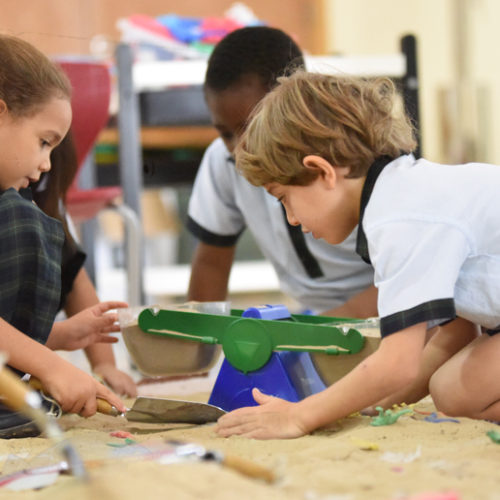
[447, 398]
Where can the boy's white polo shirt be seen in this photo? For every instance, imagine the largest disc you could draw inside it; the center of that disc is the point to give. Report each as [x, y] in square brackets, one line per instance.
[433, 237]
[223, 203]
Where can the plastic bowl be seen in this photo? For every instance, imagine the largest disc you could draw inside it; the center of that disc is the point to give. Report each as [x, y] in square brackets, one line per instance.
[158, 356]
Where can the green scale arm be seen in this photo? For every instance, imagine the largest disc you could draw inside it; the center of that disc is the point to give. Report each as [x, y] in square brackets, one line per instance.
[247, 342]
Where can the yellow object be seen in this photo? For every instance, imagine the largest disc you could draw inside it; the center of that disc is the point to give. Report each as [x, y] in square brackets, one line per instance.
[364, 445]
[403, 406]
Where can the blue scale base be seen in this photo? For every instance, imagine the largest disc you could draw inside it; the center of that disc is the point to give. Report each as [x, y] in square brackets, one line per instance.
[287, 375]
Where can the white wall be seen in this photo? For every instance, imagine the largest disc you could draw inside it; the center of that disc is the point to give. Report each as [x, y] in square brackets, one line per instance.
[451, 115]
[484, 28]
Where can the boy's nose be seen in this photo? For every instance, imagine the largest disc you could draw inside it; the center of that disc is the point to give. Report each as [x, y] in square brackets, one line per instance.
[291, 219]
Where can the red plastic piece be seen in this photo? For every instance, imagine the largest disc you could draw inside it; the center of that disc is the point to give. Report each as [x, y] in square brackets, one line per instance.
[150, 24]
[91, 84]
[121, 434]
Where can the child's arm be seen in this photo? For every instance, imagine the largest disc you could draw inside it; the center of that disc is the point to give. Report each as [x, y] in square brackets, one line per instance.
[392, 367]
[361, 305]
[210, 271]
[101, 358]
[447, 341]
[75, 390]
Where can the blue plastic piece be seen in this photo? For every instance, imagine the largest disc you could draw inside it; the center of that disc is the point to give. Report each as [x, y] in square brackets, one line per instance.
[233, 389]
[278, 311]
[301, 371]
[287, 375]
[308, 312]
[184, 29]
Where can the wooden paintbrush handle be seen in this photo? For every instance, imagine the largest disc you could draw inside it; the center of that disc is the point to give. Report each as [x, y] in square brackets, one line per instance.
[248, 468]
[102, 405]
[13, 390]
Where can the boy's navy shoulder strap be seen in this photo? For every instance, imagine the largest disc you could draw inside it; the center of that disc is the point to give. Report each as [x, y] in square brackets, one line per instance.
[371, 177]
[311, 265]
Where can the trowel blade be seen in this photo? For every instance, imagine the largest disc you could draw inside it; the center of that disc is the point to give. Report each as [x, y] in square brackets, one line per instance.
[159, 410]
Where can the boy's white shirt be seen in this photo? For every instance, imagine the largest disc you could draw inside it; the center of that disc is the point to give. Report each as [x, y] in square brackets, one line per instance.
[433, 233]
[223, 202]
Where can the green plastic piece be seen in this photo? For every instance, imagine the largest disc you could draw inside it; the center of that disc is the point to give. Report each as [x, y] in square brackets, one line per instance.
[247, 342]
[204, 48]
[494, 436]
[387, 417]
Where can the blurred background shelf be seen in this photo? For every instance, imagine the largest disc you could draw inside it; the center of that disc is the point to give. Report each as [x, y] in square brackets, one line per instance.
[195, 136]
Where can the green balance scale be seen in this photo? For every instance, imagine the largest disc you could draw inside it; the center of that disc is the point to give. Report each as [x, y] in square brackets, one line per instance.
[264, 347]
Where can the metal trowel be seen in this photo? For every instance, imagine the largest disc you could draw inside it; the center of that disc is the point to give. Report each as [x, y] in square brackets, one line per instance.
[159, 410]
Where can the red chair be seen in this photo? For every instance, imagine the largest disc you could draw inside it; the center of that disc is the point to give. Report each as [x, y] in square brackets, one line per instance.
[90, 104]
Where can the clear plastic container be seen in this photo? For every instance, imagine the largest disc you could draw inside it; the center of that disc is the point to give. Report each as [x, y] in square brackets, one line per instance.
[159, 356]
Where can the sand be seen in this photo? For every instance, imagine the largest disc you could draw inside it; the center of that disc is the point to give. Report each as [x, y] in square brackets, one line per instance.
[414, 457]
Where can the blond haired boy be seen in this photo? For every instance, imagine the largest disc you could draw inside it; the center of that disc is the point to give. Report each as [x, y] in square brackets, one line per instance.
[336, 152]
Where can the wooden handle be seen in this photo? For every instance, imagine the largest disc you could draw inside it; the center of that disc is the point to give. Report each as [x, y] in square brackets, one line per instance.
[248, 468]
[106, 408]
[13, 390]
[102, 405]
[35, 383]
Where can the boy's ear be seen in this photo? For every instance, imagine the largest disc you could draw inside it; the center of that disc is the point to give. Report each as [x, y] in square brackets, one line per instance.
[324, 169]
[3, 107]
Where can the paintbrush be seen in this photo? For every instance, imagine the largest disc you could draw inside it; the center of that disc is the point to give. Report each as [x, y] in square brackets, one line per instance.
[241, 465]
[18, 396]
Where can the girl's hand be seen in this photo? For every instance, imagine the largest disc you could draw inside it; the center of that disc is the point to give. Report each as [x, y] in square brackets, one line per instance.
[118, 381]
[274, 418]
[75, 390]
[90, 326]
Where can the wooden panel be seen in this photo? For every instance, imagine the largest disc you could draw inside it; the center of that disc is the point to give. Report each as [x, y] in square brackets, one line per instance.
[54, 26]
[166, 137]
[67, 26]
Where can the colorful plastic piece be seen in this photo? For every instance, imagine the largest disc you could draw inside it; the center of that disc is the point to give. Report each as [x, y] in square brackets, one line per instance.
[387, 417]
[121, 434]
[436, 496]
[287, 375]
[248, 342]
[364, 445]
[267, 312]
[433, 417]
[494, 436]
[265, 347]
